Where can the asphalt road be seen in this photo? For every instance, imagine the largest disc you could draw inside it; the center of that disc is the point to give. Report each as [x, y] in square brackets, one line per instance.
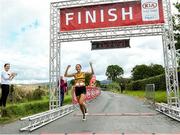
[109, 113]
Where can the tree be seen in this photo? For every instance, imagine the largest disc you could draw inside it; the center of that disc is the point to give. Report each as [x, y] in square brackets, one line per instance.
[144, 71]
[140, 72]
[176, 24]
[113, 72]
[87, 79]
[156, 69]
[98, 84]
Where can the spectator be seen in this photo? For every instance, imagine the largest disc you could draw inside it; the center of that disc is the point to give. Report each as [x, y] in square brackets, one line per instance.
[6, 77]
[62, 86]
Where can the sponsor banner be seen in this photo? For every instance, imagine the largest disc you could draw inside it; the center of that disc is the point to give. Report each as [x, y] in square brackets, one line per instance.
[93, 81]
[150, 10]
[91, 93]
[112, 15]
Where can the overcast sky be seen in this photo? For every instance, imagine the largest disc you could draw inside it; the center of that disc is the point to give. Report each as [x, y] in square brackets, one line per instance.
[24, 42]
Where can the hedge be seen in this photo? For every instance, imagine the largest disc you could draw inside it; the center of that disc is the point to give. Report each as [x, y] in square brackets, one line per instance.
[15, 111]
[159, 81]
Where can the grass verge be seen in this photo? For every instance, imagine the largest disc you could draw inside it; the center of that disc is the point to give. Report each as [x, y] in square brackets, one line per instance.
[16, 111]
[160, 96]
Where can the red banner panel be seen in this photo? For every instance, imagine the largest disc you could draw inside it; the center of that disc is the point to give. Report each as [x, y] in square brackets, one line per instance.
[92, 82]
[91, 93]
[112, 15]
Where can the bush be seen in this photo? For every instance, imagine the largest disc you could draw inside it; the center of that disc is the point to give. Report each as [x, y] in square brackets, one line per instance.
[160, 96]
[38, 93]
[159, 81]
[24, 93]
[18, 94]
[113, 86]
[16, 111]
[19, 110]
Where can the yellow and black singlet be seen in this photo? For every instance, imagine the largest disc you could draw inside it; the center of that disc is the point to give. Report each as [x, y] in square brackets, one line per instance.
[79, 79]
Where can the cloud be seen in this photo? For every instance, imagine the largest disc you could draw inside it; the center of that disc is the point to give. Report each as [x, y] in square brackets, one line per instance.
[24, 43]
[142, 51]
[25, 38]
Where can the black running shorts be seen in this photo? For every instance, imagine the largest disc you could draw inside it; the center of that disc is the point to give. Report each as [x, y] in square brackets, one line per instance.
[80, 90]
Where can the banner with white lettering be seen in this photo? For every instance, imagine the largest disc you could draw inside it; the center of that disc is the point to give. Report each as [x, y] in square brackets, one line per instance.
[91, 93]
[112, 15]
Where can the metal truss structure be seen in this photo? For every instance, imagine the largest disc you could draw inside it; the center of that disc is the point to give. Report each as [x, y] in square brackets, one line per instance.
[173, 112]
[165, 30]
[55, 63]
[36, 121]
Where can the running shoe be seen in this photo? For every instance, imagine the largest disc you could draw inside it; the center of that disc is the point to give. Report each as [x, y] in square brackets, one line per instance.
[84, 118]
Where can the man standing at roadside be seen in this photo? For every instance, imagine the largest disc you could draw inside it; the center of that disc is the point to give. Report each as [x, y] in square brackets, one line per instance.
[62, 85]
[6, 77]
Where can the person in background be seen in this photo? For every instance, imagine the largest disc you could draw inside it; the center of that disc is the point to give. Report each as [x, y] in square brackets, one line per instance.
[6, 77]
[62, 85]
[66, 87]
[79, 87]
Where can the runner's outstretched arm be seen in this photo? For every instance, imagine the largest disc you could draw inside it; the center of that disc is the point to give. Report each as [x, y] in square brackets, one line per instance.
[92, 70]
[66, 72]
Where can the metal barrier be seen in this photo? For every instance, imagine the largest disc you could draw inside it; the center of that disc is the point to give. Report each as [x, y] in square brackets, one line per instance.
[38, 120]
[171, 111]
[150, 93]
[33, 122]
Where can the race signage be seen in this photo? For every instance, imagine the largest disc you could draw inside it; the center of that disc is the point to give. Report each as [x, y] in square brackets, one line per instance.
[150, 10]
[112, 15]
[92, 81]
[91, 93]
[110, 44]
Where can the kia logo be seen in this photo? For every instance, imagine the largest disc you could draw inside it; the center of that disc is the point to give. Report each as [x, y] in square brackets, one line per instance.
[149, 5]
